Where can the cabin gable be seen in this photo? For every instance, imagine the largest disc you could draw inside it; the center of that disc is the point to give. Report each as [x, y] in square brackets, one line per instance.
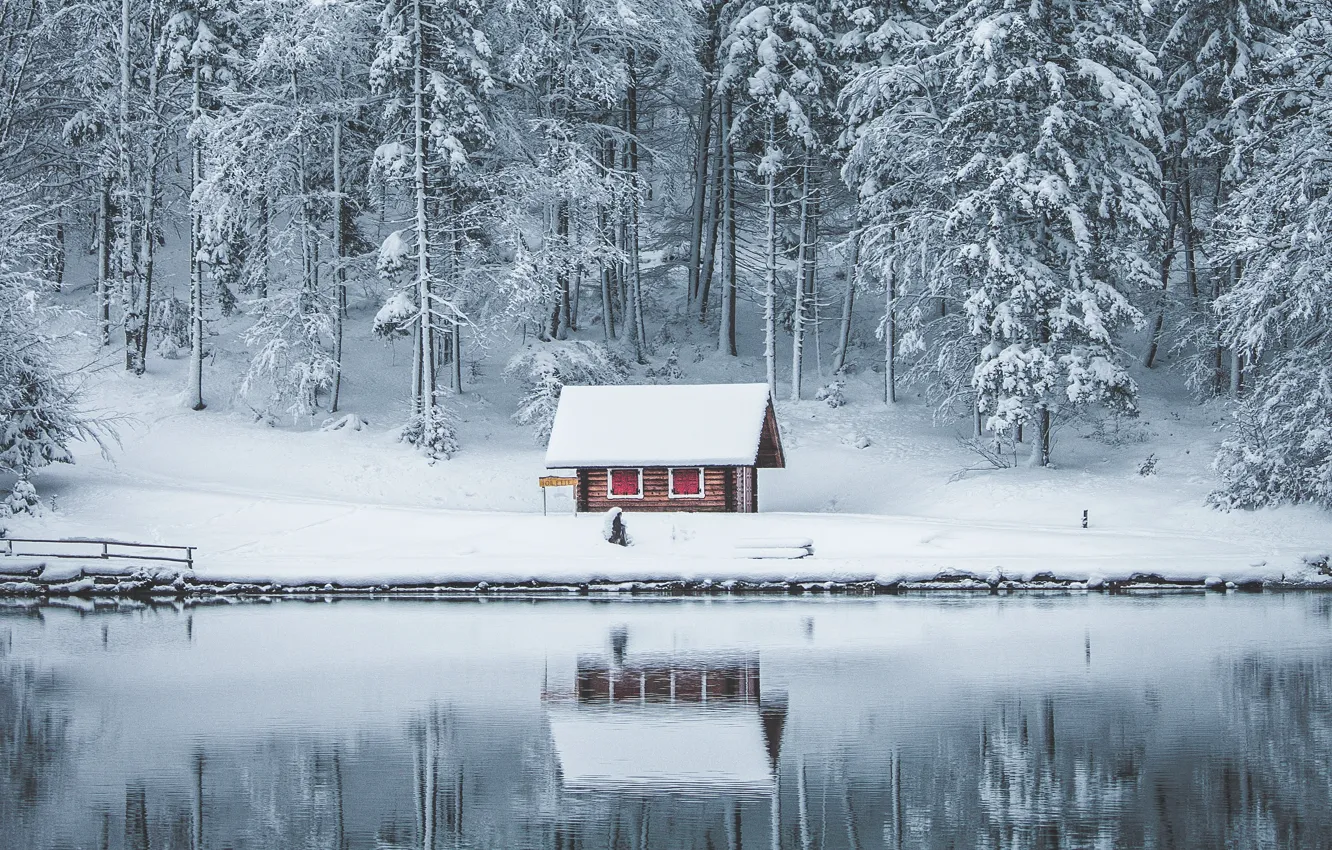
[770, 454]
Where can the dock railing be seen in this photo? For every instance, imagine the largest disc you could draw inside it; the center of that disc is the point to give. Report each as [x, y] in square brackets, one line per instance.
[94, 549]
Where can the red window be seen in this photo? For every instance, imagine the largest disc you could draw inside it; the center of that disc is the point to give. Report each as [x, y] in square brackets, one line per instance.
[626, 483]
[687, 482]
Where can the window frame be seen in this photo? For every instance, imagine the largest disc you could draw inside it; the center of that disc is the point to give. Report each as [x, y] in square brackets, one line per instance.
[670, 483]
[610, 489]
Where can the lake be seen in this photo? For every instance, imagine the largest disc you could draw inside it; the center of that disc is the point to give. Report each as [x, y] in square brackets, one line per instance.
[1024, 721]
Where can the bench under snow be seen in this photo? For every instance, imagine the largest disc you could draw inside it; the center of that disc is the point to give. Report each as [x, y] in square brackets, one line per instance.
[774, 547]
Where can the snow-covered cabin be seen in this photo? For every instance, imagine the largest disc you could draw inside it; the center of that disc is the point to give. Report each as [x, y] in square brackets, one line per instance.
[694, 447]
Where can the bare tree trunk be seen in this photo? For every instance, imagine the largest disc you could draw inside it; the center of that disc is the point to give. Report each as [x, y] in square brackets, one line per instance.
[564, 309]
[1219, 376]
[638, 329]
[196, 272]
[129, 294]
[607, 237]
[455, 341]
[848, 299]
[339, 257]
[702, 152]
[1040, 446]
[265, 239]
[58, 251]
[713, 226]
[1184, 180]
[146, 252]
[802, 260]
[890, 326]
[455, 331]
[425, 401]
[607, 302]
[309, 250]
[1236, 356]
[576, 273]
[726, 341]
[148, 234]
[811, 272]
[770, 266]
[1170, 198]
[104, 239]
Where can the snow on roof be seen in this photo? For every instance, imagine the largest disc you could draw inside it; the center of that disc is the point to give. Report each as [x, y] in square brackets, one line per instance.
[657, 425]
[655, 745]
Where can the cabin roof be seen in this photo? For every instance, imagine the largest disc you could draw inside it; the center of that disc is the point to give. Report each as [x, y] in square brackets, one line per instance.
[664, 425]
[660, 746]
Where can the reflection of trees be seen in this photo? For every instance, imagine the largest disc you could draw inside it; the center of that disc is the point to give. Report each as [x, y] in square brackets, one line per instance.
[33, 743]
[1104, 769]
[1037, 791]
[1279, 791]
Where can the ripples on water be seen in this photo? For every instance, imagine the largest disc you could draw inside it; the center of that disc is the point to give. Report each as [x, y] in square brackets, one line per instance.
[1186, 722]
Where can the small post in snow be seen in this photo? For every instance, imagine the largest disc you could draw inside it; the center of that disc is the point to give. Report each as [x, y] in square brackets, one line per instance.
[1084, 519]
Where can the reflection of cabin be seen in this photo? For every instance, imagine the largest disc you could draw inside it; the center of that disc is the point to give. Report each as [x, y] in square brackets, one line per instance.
[667, 722]
[666, 448]
[728, 681]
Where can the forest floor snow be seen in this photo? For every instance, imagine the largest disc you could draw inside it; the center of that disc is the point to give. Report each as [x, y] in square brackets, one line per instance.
[879, 490]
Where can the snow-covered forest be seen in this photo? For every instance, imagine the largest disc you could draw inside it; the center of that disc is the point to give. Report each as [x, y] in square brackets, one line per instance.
[1008, 208]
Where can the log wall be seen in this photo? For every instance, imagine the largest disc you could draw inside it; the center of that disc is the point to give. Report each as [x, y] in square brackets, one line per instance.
[718, 492]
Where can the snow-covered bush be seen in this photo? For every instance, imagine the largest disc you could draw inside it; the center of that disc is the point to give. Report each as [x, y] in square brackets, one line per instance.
[21, 500]
[545, 368]
[1280, 449]
[1118, 428]
[832, 394]
[668, 371]
[171, 325]
[346, 423]
[395, 318]
[292, 363]
[434, 435]
[38, 413]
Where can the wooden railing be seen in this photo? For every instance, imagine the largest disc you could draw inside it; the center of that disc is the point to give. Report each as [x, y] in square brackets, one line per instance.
[86, 548]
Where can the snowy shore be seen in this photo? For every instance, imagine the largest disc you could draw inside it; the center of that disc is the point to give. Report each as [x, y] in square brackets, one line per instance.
[879, 491]
[264, 545]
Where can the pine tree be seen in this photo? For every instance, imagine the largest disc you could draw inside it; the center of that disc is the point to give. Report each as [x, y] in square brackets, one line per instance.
[775, 60]
[433, 64]
[1278, 315]
[39, 415]
[1210, 54]
[1050, 131]
[200, 38]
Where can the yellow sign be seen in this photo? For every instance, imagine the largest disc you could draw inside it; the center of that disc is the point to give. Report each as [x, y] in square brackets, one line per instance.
[557, 481]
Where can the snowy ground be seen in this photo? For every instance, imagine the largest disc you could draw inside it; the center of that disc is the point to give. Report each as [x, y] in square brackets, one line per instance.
[292, 504]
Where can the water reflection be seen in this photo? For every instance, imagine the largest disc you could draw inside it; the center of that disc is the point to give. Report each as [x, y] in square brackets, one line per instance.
[1198, 723]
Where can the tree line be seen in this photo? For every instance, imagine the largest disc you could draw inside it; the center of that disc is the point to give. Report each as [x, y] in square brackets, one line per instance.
[1022, 188]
